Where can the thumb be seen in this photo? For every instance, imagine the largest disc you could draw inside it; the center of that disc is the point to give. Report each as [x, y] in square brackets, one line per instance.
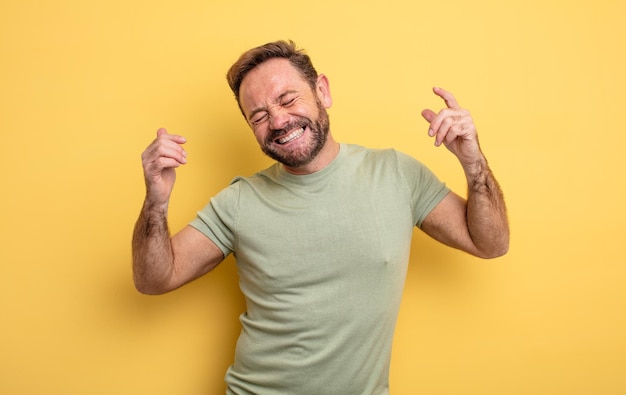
[161, 132]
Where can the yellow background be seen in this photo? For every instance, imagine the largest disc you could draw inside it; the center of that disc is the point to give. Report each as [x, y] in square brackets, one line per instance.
[85, 85]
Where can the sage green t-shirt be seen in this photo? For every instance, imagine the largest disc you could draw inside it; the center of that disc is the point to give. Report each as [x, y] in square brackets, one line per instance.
[322, 260]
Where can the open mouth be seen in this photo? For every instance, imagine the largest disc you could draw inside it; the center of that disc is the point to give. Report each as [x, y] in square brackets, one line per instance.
[291, 136]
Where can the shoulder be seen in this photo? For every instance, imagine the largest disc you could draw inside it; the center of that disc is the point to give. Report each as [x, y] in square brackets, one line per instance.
[384, 158]
[259, 178]
[360, 153]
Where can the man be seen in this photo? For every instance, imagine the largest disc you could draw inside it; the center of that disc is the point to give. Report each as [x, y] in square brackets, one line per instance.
[321, 238]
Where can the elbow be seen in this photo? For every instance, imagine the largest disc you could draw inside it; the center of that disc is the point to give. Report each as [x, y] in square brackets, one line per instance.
[496, 250]
[144, 290]
[148, 288]
[149, 281]
[495, 253]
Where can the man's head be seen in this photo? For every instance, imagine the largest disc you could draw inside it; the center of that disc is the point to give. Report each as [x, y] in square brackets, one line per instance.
[284, 101]
[256, 56]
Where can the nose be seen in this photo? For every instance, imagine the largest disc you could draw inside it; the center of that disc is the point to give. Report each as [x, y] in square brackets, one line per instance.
[278, 118]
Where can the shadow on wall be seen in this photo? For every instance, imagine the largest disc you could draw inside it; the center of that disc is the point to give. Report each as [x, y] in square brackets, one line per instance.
[437, 267]
[196, 325]
[204, 314]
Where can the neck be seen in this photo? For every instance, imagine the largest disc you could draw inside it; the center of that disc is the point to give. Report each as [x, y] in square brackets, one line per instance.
[323, 159]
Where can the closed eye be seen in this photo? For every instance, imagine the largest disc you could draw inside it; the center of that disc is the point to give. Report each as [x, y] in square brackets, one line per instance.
[289, 102]
[288, 98]
[259, 118]
[261, 114]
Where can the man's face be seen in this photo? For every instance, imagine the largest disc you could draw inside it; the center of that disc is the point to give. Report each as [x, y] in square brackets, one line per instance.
[287, 116]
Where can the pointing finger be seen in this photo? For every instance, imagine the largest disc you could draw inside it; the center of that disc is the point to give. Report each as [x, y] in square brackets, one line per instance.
[447, 97]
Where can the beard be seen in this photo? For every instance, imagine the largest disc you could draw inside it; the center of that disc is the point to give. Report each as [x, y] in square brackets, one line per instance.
[318, 130]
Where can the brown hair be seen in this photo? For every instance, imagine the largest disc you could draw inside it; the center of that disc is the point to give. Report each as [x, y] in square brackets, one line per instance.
[278, 49]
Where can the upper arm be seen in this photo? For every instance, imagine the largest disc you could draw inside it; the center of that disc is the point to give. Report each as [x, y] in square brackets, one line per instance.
[447, 223]
[194, 255]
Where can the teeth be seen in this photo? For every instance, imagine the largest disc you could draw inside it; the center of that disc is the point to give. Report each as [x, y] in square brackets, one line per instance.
[291, 136]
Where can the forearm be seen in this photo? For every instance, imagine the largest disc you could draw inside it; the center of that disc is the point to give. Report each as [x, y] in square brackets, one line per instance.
[486, 211]
[153, 260]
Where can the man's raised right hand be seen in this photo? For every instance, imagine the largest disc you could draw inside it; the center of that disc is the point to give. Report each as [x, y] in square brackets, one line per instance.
[159, 160]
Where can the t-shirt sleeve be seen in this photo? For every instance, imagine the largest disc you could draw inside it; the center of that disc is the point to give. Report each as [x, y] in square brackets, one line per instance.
[218, 219]
[425, 189]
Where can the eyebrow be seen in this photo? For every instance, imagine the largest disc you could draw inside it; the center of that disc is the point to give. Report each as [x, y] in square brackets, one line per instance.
[264, 108]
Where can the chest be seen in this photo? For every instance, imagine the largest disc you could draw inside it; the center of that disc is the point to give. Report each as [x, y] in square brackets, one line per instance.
[295, 237]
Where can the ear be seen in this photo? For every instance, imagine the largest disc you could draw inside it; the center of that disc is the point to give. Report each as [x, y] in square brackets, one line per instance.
[323, 91]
